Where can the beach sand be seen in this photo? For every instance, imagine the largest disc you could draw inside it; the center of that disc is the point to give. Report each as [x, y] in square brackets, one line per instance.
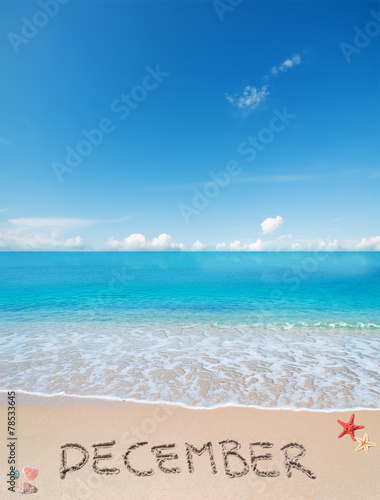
[45, 424]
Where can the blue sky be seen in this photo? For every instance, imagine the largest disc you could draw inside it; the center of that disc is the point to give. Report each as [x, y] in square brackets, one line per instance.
[182, 72]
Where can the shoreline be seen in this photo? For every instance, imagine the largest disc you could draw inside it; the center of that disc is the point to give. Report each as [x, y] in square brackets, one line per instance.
[36, 397]
[239, 437]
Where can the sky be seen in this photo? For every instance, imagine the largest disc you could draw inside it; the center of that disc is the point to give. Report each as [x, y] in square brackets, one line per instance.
[189, 125]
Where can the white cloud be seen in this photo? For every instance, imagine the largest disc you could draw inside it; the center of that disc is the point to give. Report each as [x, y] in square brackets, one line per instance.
[164, 242]
[283, 244]
[237, 246]
[40, 234]
[249, 99]
[136, 242]
[31, 239]
[257, 246]
[133, 242]
[220, 247]
[370, 244]
[328, 246]
[76, 242]
[270, 224]
[316, 245]
[198, 246]
[14, 240]
[287, 64]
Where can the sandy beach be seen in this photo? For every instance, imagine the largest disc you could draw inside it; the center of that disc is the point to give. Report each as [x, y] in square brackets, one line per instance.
[156, 451]
[189, 250]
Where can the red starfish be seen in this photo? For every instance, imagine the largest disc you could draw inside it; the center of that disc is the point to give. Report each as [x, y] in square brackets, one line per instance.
[349, 427]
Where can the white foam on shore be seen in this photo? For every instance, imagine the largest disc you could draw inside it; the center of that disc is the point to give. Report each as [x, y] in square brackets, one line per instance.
[34, 396]
[196, 366]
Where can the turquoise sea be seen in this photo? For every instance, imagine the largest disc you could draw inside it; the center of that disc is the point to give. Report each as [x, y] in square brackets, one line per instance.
[287, 329]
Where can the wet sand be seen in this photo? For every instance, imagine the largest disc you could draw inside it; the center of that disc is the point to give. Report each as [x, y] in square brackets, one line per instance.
[156, 451]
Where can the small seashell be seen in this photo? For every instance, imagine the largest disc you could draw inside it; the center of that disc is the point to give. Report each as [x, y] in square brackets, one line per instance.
[25, 488]
[16, 474]
[30, 473]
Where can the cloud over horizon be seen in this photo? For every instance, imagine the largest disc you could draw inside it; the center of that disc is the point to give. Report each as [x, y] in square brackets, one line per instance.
[198, 246]
[270, 224]
[138, 242]
[237, 246]
[28, 234]
[372, 243]
[14, 240]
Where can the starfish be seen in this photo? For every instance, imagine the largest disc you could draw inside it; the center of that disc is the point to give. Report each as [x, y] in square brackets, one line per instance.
[364, 443]
[349, 427]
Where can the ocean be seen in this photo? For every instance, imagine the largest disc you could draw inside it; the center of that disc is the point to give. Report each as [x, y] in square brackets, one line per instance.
[201, 329]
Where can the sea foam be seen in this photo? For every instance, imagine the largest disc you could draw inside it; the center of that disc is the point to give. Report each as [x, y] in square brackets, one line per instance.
[198, 365]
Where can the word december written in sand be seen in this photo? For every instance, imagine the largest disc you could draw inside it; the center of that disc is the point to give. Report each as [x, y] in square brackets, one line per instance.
[235, 465]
